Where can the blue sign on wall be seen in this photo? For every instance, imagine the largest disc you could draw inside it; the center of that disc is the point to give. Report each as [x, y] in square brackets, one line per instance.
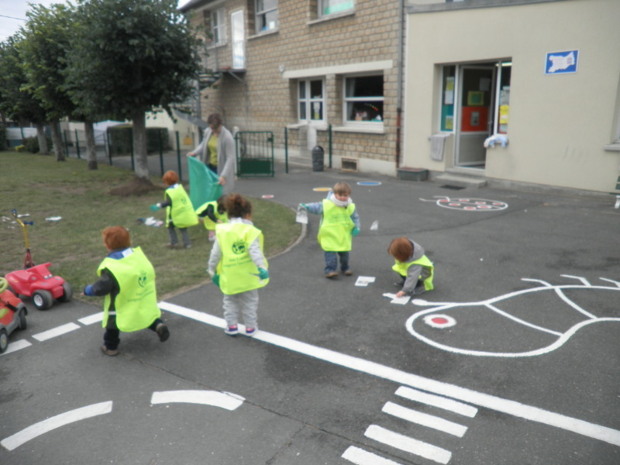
[562, 62]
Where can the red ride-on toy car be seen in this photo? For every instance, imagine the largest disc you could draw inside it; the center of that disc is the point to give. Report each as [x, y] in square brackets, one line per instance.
[12, 314]
[36, 281]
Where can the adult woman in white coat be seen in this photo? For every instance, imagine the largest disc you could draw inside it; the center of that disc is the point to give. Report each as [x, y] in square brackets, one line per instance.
[217, 151]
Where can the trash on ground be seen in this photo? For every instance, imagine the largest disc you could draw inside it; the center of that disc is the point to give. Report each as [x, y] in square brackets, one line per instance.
[53, 218]
[397, 300]
[364, 281]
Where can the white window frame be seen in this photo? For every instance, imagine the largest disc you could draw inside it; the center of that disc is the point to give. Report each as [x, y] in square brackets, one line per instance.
[260, 17]
[218, 27]
[308, 100]
[334, 7]
[346, 100]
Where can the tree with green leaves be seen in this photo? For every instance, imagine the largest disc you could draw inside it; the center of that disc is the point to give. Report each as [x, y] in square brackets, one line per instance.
[16, 103]
[47, 39]
[131, 56]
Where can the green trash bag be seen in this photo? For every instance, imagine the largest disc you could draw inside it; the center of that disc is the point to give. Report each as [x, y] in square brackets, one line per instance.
[203, 183]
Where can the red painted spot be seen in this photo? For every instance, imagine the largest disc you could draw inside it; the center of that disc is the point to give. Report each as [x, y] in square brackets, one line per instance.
[439, 320]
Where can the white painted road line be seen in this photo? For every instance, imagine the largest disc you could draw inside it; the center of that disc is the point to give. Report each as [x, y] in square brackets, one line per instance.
[91, 319]
[509, 407]
[424, 419]
[407, 444]
[54, 332]
[361, 457]
[223, 400]
[437, 401]
[33, 431]
[15, 346]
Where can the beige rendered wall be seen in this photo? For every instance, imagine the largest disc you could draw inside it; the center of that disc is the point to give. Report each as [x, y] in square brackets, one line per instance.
[559, 124]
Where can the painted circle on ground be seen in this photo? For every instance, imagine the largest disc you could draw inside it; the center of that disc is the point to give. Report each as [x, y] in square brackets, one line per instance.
[439, 321]
[369, 183]
[322, 189]
[472, 204]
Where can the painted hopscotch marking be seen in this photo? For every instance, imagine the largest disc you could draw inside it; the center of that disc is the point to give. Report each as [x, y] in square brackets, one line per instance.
[437, 401]
[15, 346]
[424, 419]
[33, 431]
[361, 457]
[509, 407]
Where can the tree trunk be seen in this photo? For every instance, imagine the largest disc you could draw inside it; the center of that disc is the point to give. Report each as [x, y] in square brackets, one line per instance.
[59, 147]
[91, 149]
[139, 144]
[43, 148]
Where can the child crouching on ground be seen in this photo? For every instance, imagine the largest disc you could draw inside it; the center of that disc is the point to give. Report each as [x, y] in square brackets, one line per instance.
[179, 210]
[339, 223]
[412, 266]
[237, 265]
[212, 213]
[127, 280]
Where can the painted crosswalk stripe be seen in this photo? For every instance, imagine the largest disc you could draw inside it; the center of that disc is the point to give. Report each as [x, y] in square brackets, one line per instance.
[361, 457]
[55, 332]
[437, 401]
[407, 444]
[223, 400]
[17, 345]
[33, 431]
[424, 419]
[91, 319]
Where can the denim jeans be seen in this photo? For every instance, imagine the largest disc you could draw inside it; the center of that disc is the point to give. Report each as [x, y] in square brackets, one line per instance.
[331, 261]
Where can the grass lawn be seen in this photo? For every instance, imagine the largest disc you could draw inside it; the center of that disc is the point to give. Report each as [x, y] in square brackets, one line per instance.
[42, 188]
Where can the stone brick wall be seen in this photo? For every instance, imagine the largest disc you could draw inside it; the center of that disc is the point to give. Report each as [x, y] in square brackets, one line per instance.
[262, 98]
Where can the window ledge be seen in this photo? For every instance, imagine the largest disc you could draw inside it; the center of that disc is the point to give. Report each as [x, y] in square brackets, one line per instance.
[615, 147]
[322, 126]
[360, 129]
[264, 34]
[219, 45]
[323, 19]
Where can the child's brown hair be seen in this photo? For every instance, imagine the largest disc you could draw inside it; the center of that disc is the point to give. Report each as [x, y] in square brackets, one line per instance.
[342, 188]
[170, 177]
[238, 206]
[116, 237]
[401, 249]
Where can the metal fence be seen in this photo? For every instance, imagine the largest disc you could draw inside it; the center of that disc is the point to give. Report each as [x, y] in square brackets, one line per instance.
[254, 153]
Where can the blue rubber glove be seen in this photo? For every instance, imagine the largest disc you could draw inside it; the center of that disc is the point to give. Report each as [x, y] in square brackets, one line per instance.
[216, 279]
[88, 290]
[263, 274]
[154, 207]
[355, 231]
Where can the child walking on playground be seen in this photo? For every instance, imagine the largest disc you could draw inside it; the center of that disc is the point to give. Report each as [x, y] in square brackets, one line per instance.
[415, 270]
[339, 224]
[127, 280]
[212, 213]
[238, 266]
[179, 210]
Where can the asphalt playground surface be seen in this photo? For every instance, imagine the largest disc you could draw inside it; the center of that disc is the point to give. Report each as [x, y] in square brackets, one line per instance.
[512, 359]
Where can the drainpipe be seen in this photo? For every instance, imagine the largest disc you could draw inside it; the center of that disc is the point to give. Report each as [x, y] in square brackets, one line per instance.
[399, 84]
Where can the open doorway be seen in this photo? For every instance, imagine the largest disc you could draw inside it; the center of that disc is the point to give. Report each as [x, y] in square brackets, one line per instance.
[475, 105]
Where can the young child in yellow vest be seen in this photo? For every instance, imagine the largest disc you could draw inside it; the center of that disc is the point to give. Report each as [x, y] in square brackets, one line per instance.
[127, 280]
[413, 267]
[340, 222]
[237, 265]
[212, 213]
[179, 209]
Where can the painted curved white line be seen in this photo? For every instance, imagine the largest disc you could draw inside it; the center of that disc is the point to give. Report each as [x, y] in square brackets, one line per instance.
[570, 303]
[42, 427]
[225, 400]
[544, 350]
[521, 321]
[617, 283]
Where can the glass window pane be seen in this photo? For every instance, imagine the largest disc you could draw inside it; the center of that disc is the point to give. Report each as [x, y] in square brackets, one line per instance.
[302, 110]
[317, 111]
[302, 89]
[316, 89]
[336, 6]
[367, 86]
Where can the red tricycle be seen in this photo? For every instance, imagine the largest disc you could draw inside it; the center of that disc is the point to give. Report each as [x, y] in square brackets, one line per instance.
[37, 281]
[12, 314]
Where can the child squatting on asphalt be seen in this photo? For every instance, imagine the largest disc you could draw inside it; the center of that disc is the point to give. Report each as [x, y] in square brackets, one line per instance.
[413, 267]
[127, 280]
[179, 209]
[237, 265]
[339, 224]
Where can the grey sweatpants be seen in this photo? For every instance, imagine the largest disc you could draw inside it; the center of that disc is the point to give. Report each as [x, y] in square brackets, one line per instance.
[245, 304]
